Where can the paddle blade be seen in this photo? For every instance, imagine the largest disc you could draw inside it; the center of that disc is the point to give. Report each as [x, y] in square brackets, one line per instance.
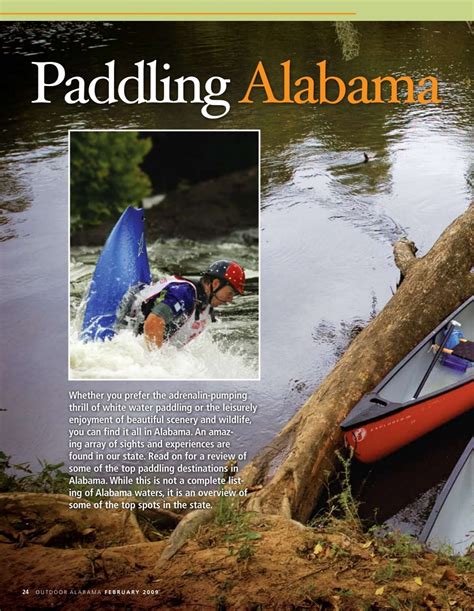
[464, 350]
[122, 264]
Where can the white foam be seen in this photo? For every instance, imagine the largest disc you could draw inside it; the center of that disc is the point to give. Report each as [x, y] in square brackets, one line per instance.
[126, 357]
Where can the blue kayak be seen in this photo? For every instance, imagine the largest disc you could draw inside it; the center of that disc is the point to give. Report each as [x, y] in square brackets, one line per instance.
[122, 264]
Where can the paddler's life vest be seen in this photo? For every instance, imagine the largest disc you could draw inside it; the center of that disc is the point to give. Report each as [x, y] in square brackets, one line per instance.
[139, 301]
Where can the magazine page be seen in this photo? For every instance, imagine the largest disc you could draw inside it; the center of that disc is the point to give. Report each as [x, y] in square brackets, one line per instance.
[237, 306]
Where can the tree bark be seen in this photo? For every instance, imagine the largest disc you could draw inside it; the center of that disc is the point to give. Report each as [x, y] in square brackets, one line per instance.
[404, 253]
[292, 468]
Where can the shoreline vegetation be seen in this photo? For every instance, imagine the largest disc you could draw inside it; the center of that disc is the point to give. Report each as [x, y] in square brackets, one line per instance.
[195, 184]
[223, 558]
[205, 215]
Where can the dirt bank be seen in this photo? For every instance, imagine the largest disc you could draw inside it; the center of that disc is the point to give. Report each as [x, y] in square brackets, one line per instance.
[248, 561]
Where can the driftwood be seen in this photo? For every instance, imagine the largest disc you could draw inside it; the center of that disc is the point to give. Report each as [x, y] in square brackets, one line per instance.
[292, 468]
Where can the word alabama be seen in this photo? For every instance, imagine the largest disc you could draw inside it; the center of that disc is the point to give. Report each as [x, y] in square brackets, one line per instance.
[145, 87]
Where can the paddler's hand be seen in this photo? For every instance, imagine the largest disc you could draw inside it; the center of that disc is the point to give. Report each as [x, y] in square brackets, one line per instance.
[154, 331]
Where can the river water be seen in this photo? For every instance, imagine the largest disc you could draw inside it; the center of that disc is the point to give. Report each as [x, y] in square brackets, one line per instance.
[328, 222]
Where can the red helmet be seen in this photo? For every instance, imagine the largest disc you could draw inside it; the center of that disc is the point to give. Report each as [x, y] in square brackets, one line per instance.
[229, 271]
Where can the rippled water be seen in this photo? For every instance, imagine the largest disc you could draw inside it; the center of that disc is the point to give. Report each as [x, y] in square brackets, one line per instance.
[328, 221]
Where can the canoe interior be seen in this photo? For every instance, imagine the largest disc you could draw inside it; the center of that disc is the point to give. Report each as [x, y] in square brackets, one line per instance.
[452, 519]
[401, 387]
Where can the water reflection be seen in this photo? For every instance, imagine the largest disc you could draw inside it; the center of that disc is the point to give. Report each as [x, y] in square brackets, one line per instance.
[15, 197]
[29, 39]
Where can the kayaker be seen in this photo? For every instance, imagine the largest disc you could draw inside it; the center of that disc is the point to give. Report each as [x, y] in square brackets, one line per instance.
[176, 309]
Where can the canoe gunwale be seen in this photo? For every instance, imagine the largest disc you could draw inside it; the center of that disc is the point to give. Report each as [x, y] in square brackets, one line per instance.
[443, 495]
[354, 420]
[349, 423]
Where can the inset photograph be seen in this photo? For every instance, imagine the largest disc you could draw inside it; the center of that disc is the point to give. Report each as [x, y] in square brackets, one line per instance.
[164, 255]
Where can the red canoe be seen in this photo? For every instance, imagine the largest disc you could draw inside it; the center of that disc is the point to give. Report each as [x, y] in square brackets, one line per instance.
[424, 391]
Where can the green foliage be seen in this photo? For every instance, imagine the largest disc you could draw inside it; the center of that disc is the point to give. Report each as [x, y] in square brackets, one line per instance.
[463, 564]
[105, 175]
[396, 544]
[345, 500]
[394, 602]
[240, 538]
[227, 511]
[342, 509]
[389, 571]
[49, 479]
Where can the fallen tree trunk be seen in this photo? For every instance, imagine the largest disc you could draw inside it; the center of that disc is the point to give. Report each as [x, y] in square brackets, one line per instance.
[292, 468]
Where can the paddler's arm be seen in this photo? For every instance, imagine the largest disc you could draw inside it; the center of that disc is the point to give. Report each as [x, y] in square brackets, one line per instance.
[154, 330]
[155, 323]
